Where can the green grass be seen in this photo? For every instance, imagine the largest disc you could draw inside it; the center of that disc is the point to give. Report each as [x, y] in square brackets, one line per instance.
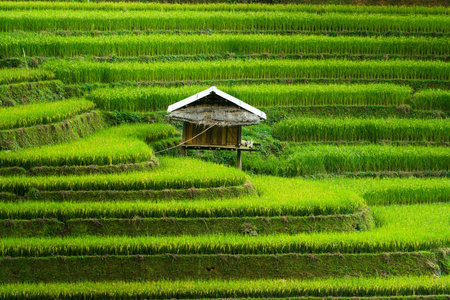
[159, 98]
[373, 130]
[400, 229]
[13, 45]
[42, 113]
[174, 173]
[31, 92]
[8, 76]
[391, 191]
[432, 100]
[137, 226]
[43, 5]
[378, 287]
[89, 72]
[122, 144]
[186, 20]
[195, 267]
[70, 129]
[289, 199]
[329, 159]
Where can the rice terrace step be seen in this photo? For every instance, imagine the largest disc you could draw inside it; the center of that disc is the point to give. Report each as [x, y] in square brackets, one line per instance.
[290, 149]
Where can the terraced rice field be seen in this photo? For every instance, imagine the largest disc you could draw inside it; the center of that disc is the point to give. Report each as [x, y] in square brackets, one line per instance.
[348, 197]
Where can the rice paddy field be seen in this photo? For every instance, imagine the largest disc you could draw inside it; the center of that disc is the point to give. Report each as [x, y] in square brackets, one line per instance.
[347, 197]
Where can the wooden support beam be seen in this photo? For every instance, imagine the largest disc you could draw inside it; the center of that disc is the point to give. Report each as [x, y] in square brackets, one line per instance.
[239, 160]
[183, 151]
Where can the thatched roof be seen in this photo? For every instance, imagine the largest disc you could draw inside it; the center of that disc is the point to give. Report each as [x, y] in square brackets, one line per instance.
[210, 115]
[214, 106]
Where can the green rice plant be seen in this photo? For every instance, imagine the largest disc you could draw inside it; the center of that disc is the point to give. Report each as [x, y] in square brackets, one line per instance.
[400, 229]
[287, 200]
[159, 98]
[31, 92]
[8, 76]
[376, 287]
[13, 45]
[239, 7]
[42, 113]
[328, 159]
[70, 129]
[174, 173]
[89, 72]
[432, 100]
[122, 144]
[31, 20]
[373, 130]
[390, 191]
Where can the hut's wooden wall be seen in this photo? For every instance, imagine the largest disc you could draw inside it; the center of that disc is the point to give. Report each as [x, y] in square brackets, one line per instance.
[215, 136]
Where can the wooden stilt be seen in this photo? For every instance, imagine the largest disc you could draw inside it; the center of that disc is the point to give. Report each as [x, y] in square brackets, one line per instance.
[239, 160]
[183, 151]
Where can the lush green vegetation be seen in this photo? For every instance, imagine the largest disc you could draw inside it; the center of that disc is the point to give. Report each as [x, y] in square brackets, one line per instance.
[8, 76]
[401, 228]
[159, 98]
[31, 92]
[174, 173]
[36, 5]
[339, 287]
[353, 94]
[138, 226]
[432, 99]
[373, 130]
[183, 267]
[12, 45]
[391, 191]
[41, 135]
[287, 199]
[42, 113]
[185, 20]
[116, 145]
[319, 159]
[86, 71]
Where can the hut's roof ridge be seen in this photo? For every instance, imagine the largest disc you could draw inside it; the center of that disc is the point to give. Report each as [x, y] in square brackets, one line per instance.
[219, 93]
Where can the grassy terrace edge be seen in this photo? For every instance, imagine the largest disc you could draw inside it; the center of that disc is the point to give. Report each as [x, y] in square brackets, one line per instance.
[80, 170]
[217, 20]
[42, 113]
[9, 76]
[92, 72]
[330, 33]
[416, 84]
[31, 92]
[396, 287]
[353, 129]
[262, 95]
[68, 130]
[255, 6]
[157, 98]
[149, 195]
[217, 266]
[310, 160]
[13, 45]
[286, 200]
[399, 229]
[220, 208]
[395, 191]
[165, 177]
[120, 144]
[361, 220]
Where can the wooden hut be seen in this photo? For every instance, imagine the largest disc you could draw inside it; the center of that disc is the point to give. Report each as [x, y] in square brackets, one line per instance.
[213, 120]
